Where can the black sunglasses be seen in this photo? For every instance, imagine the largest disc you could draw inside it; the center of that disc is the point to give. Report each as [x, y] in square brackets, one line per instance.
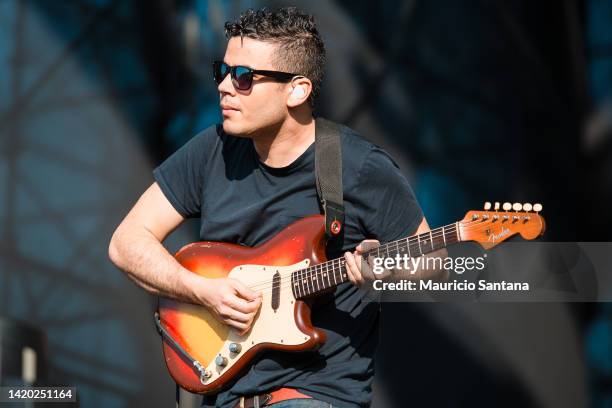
[242, 77]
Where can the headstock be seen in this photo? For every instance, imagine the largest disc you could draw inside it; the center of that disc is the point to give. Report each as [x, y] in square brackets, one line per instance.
[492, 226]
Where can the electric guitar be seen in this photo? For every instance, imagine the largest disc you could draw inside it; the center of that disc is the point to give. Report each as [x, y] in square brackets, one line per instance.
[203, 355]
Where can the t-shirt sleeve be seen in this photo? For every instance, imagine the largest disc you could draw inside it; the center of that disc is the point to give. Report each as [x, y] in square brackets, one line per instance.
[391, 208]
[181, 176]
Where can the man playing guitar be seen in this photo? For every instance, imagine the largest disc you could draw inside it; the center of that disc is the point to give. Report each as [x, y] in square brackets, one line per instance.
[252, 176]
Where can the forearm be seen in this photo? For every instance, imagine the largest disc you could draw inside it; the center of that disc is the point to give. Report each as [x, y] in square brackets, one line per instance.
[145, 260]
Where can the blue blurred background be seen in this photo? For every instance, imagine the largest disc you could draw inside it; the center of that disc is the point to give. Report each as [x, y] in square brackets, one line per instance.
[477, 100]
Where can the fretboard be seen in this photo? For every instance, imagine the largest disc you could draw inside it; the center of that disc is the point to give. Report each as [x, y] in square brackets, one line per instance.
[318, 278]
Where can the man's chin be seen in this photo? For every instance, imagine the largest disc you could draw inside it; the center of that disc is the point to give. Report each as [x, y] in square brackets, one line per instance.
[233, 129]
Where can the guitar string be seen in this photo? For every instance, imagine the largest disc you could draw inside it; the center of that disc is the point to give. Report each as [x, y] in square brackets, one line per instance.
[403, 243]
[313, 273]
[414, 239]
[400, 244]
[288, 283]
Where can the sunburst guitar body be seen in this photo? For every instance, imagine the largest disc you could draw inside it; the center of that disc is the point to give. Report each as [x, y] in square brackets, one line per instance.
[283, 321]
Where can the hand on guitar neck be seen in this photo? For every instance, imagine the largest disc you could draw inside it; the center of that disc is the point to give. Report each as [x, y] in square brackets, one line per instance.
[361, 274]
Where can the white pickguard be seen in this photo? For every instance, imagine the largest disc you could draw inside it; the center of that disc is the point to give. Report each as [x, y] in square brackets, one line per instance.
[270, 326]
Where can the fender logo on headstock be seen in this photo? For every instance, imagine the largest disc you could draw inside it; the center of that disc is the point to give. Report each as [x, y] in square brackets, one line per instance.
[494, 237]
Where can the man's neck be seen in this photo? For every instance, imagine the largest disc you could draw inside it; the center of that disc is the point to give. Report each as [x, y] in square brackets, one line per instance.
[287, 142]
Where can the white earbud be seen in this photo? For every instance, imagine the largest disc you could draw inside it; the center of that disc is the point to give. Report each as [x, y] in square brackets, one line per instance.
[298, 92]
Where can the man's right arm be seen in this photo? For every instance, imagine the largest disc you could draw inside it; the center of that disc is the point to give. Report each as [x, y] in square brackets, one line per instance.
[136, 248]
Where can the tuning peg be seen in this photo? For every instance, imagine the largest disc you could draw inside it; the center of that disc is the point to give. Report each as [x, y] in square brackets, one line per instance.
[537, 207]
[517, 206]
[487, 206]
[527, 207]
[496, 206]
[507, 206]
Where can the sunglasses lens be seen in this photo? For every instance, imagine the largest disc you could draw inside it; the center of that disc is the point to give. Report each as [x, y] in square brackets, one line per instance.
[243, 78]
[220, 71]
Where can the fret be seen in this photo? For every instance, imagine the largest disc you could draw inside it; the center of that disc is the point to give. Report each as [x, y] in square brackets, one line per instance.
[334, 266]
[334, 272]
[343, 274]
[327, 273]
[408, 246]
[444, 236]
[321, 275]
[376, 251]
[419, 241]
[311, 279]
[441, 240]
[431, 240]
[381, 249]
[314, 278]
[300, 279]
[453, 237]
[296, 284]
[307, 281]
[302, 283]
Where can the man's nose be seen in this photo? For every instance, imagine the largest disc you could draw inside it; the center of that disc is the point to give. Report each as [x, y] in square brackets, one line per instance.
[226, 86]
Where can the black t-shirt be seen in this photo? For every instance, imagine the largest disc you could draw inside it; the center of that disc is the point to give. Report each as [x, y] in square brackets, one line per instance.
[239, 199]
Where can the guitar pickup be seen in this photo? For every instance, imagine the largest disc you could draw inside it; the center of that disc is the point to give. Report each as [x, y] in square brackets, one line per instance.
[276, 287]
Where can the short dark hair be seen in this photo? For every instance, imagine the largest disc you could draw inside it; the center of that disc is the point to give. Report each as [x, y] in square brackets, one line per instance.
[300, 49]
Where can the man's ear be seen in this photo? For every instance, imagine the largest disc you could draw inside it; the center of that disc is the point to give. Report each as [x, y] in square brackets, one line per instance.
[299, 91]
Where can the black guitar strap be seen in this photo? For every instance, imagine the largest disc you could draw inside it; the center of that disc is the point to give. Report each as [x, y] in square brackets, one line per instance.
[328, 175]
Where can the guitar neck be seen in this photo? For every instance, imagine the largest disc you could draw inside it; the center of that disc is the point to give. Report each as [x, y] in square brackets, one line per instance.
[321, 277]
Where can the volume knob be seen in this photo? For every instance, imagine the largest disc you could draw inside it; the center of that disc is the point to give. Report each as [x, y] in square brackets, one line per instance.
[235, 348]
[221, 361]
